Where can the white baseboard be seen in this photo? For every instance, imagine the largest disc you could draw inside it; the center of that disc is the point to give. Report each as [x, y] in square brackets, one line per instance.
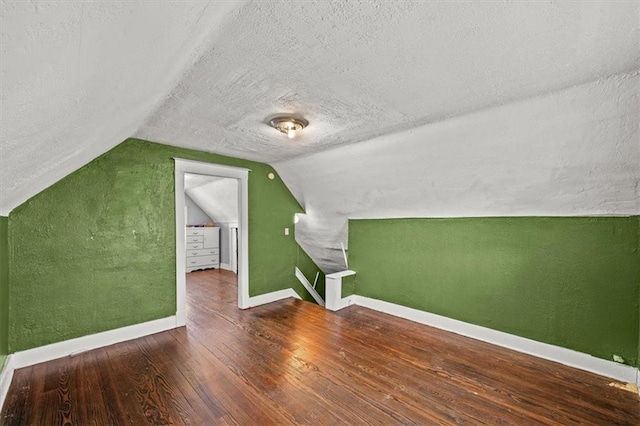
[274, 296]
[181, 318]
[226, 266]
[564, 356]
[92, 341]
[5, 378]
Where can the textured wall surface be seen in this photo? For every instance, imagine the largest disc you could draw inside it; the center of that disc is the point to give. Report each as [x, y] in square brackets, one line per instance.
[96, 251]
[569, 153]
[571, 282]
[4, 288]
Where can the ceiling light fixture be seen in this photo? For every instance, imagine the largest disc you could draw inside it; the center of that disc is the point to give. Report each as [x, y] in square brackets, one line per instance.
[288, 125]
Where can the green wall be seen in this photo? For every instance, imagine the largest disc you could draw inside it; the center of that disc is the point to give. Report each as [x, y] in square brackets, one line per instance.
[4, 289]
[96, 250]
[568, 281]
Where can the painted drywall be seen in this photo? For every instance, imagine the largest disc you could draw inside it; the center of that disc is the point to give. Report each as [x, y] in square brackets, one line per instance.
[4, 288]
[195, 215]
[569, 153]
[571, 282]
[96, 250]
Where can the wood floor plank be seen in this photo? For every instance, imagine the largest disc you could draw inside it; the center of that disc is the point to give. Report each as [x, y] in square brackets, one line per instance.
[296, 384]
[118, 386]
[239, 398]
[393, 384]
[20, 397]
[191, 384]
[88, 406]
[292, 362]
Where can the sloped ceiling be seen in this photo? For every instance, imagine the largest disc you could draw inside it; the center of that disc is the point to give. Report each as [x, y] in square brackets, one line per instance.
[217, 197]
[357, 70]
[574, 152]
[78, 78]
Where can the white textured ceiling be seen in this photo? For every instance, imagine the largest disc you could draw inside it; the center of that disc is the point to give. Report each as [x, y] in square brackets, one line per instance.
[357, 70]
[79, 77]
[574, 152]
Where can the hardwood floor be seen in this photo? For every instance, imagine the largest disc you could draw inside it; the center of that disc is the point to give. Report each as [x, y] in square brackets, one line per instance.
[293, 362]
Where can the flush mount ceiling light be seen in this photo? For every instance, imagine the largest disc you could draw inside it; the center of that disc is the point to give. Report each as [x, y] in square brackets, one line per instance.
[288, 125]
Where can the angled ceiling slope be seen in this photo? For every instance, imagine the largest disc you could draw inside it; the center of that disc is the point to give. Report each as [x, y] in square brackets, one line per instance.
[217, 197]
[358, 70]
[574, 152]
[80, 77]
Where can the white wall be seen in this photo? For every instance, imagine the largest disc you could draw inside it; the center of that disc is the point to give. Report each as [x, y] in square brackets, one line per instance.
[571, 152]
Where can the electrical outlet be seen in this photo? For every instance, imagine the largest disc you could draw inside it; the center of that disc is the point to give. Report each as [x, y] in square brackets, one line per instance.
[286, 231]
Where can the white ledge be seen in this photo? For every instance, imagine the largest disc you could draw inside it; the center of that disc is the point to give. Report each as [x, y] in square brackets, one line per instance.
[341, 274]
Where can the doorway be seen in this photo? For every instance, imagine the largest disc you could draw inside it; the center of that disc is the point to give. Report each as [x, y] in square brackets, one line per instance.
[212, 208]
[241, 175]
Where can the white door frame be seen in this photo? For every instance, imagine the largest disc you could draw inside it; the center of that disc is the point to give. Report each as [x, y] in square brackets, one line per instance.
[183, 166]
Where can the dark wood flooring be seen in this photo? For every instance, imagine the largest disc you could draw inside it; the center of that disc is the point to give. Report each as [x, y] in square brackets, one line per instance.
[293, 362]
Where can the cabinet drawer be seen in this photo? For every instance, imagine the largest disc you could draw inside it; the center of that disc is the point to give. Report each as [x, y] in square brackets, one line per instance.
[191, 246]
[195, 239]
[195, 232]
[202, 261]
[203, 252]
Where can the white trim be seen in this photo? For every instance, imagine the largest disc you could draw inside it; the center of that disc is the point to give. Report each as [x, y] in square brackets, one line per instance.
[333, 290]
[226, 267]
[92, 341]
[565, 356]
[312, 291]
[274, 296]
[202, 168]
[183, 166]
[5, 378]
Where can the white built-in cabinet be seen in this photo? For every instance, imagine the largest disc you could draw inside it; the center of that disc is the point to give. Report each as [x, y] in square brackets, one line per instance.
[203, 248]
